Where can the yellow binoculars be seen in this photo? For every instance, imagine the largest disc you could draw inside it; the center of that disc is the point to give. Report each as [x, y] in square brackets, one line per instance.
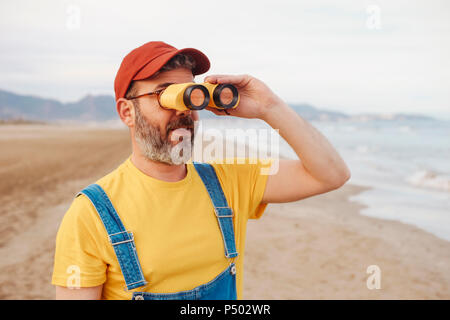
[194, 96]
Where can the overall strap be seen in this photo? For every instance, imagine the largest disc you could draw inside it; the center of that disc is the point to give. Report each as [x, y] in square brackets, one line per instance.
[121, 239]
[223, 212]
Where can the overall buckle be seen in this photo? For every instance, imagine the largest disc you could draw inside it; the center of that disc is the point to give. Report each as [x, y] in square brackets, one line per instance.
[223, 216]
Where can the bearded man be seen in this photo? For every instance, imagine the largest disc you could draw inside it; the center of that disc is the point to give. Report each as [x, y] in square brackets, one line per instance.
[163, 227]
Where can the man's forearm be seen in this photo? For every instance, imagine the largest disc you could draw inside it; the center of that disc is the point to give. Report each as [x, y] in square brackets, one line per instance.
[317, 155]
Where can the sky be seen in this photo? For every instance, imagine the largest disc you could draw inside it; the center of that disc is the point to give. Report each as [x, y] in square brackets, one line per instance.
[351, 56]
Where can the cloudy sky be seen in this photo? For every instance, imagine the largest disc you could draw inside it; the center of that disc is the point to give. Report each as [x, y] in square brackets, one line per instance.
[352, 56]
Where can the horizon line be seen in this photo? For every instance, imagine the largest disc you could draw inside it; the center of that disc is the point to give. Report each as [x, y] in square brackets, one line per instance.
[433, 115]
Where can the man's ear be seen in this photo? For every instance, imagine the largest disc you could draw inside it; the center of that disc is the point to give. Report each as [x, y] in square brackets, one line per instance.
[125, 109]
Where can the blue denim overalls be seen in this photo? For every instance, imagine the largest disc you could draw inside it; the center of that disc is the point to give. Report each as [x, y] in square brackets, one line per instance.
[222, 287]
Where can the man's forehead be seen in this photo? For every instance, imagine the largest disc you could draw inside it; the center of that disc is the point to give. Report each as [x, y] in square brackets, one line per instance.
[157, 84]
[163, 85]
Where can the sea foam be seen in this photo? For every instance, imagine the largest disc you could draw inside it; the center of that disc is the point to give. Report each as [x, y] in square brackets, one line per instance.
[429, 179]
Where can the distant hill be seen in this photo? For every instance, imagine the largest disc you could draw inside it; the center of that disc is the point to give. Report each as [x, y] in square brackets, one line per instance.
[103, 108]
[364, 117]
[306, 111]
[311, 113]
[90, 108]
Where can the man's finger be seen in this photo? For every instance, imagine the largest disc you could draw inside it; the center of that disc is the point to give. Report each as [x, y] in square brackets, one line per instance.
[223, 78]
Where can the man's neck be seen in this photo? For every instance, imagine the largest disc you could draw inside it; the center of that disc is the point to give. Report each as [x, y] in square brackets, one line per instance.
[159, 170]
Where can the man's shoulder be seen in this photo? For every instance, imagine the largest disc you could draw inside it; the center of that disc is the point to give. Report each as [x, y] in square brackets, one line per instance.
[81, 203]
[113, 179]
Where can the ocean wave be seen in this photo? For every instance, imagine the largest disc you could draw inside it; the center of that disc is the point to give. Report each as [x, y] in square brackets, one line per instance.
[430, 179]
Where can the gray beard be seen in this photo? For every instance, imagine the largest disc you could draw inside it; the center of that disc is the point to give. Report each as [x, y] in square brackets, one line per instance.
[155, 148]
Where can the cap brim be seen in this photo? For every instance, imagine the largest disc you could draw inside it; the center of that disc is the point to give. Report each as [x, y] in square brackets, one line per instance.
[202, 63]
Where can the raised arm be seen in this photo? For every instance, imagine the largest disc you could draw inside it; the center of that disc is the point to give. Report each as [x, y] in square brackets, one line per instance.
[319, 168]
[90, 293]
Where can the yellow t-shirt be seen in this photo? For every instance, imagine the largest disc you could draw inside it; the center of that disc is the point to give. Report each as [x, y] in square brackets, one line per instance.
[177, 236]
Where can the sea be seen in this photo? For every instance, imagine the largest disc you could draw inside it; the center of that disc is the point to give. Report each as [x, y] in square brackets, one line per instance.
[406, 164]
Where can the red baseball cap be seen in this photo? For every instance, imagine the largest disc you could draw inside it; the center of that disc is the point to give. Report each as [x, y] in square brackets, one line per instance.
[146, 60]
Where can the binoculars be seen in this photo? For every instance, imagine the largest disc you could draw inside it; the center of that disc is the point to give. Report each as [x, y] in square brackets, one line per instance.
[194, 96]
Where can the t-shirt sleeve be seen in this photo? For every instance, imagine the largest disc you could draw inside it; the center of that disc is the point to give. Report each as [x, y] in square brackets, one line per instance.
[244, 181]
[78, 254]
[257, 181]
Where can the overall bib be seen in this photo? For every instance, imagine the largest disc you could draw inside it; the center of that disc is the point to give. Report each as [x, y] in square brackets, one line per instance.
[222, 287]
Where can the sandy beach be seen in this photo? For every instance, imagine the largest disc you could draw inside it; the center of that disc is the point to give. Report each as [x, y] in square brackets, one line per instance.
[317, 248]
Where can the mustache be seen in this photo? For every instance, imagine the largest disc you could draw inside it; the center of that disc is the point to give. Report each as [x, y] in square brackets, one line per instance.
[187, 122]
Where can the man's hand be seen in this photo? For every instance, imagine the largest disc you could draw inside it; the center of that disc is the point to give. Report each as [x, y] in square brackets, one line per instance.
[256, 98]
